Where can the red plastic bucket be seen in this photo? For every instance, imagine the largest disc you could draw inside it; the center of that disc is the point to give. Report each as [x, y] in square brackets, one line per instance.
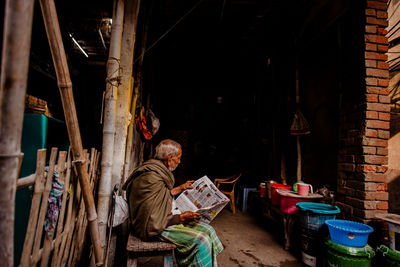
[275, 197]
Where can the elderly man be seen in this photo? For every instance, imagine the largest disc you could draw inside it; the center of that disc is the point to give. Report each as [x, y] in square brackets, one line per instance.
[150, 194]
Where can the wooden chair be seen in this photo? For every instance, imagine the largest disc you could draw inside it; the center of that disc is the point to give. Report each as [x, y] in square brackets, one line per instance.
[228, 188]
[137, 248]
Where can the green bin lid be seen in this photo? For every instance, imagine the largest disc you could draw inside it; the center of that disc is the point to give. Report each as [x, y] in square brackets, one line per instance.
[366, 252]
[390, 253]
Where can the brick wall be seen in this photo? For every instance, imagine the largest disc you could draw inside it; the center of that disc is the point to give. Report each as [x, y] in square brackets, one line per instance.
[364, 128]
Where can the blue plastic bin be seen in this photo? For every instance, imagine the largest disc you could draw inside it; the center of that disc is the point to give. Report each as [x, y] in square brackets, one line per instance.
[313, 215]
[349, 233]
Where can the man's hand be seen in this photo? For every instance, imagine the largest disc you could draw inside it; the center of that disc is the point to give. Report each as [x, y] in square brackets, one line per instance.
[179, 189]
[188, 216]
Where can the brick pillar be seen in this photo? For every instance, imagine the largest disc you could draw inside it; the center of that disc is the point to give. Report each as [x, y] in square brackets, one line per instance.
[364, 129]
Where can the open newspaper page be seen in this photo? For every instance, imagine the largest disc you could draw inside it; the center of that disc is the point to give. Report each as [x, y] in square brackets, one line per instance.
[204, 198]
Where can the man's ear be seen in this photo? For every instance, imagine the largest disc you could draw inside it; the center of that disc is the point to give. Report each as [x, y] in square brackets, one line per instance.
[169, 161]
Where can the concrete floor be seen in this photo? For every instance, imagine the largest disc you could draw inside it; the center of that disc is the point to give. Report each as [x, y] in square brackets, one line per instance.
[246, 244]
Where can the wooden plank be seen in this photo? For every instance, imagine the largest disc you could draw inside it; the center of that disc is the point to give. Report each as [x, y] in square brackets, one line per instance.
[48, 240]
[43, 205]
[26, 181]
[37, 195]
[72, 226]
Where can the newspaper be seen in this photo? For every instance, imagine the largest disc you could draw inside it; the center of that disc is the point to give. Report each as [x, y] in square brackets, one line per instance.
[204, 198]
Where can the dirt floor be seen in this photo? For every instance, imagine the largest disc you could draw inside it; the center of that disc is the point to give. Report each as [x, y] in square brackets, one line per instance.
[247, 243]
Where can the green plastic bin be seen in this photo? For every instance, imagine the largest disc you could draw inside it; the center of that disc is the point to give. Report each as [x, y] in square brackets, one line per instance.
[388, 257]
[343, 256]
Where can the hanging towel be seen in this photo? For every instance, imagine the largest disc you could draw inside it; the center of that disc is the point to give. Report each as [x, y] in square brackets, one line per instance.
[53, 205]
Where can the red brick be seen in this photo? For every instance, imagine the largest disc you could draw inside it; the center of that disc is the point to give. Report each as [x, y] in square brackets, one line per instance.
[371, 133]
[365, 195]
[377, 90]
[381, 187]
[377, 124]
[381, 195]
[361, 204]
[383, 48]
[371, 28]
[374, 177]
[346, 158]
[384, 99]
[381, 31]
[383, 134]
[366, 168]
[381, 169]
[375, 159]
[372, 195]
[375, 55]
[371, 63]
[381, 14]
[378, 107]
[382, 151]
[383, 82]
[374, 142]
[372, 98]
[375, 38]
[370, 12]
[376, 5]
[382, 205]
[382, 73]
[371, 47]
[372, 115]
[371, 81]
[369, 150]
[367, 214]
[346, 167]
[384, 116]
[375, 21]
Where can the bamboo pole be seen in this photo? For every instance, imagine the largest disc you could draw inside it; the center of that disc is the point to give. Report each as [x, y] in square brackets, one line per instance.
[37, 195]
[138, 87]
[125, 88]
[65, 86]
[105, 187]
[18, 16]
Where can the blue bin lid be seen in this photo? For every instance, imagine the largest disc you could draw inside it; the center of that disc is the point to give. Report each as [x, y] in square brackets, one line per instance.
[319, 208]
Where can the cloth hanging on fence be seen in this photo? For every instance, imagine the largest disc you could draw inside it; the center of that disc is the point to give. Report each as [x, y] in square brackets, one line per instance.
[53, 204]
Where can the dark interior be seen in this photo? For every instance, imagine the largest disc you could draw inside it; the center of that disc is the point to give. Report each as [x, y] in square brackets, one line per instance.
[221, 77]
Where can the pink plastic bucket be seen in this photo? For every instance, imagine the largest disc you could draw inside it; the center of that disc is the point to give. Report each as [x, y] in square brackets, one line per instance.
[288, 204]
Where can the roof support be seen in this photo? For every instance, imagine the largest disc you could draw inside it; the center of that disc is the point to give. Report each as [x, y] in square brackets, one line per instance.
[14, 72]
[112, 83]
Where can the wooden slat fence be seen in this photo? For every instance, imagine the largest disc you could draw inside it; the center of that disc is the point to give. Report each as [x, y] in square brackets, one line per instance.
[65, 246]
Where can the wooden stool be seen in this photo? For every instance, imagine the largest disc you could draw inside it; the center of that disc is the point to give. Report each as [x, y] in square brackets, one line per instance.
[137, 248]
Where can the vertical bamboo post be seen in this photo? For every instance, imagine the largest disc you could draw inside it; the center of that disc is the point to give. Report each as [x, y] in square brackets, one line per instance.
[139, 68]
[18, 16]
[105, 186]
[65, 86]
[125, 88]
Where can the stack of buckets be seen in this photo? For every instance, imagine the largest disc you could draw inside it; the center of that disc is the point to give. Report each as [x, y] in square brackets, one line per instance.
[313, 230]
[390, 256]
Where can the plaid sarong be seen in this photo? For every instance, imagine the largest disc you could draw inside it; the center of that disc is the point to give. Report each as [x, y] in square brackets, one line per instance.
[197, 244]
